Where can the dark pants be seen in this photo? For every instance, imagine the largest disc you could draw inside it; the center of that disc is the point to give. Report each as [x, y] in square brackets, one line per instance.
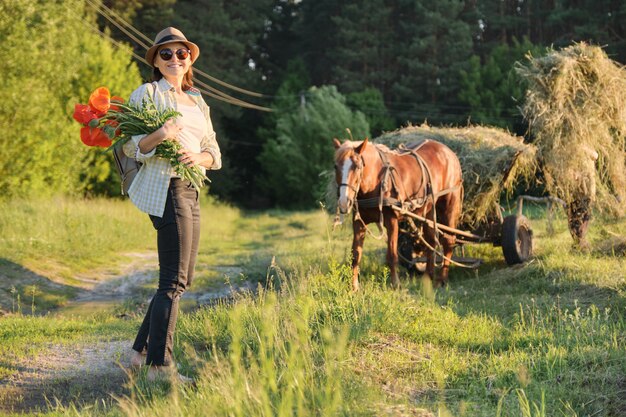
[178, 234]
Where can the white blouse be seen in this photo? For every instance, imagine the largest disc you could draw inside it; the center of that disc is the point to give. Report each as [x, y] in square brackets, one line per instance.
[194, 127]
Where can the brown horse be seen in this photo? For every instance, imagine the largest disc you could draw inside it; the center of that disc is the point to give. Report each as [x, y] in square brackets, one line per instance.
[421, 178]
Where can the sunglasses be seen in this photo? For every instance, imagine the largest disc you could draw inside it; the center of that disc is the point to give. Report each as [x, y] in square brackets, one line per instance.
[167, 54]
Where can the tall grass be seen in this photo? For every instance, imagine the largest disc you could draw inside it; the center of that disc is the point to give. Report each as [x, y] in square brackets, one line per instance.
[541, 339]
[549, 347]
[82, 234]
[69, 232]
[313, 348]
[47, 244]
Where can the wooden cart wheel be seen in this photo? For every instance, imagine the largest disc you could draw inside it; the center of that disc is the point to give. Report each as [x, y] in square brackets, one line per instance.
[517, 239]
[407, 252]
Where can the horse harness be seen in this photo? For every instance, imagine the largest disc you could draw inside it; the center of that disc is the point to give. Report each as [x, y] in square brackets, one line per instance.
[413, 202]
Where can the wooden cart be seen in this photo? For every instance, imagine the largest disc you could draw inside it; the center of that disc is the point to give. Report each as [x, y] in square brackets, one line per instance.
[493, 161]
[512, 233]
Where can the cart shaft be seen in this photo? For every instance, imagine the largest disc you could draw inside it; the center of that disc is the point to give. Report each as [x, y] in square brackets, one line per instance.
[440, 226]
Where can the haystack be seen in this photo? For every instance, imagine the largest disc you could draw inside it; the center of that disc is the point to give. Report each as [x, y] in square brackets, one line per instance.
[492, 160]
[576, 108]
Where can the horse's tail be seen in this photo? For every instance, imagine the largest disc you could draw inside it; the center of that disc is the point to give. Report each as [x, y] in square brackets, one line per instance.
[462, 193]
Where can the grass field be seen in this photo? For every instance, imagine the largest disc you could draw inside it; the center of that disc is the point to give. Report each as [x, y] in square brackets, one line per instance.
[541, 339]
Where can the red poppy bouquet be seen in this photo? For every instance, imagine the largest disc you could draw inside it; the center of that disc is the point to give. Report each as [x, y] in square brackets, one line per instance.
[108, 121]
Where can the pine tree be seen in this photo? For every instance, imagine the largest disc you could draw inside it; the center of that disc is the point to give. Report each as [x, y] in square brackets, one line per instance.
[599, 22]
[318, 33]
[493, 90]
[279, 43]
[364, 56]
[433, 44]
[370, 103]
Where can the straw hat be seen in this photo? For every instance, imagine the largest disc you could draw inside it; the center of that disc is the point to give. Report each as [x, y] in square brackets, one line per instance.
[170, 35]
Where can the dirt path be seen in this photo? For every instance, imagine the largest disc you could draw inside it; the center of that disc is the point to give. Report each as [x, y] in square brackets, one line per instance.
[140, 278]
[94, 372]
[67, 373]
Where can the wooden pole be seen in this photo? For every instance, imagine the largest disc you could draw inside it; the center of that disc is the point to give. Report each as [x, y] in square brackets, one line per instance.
[441, 226]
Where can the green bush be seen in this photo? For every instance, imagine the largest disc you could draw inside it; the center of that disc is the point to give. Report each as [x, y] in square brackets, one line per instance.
[301, 148]
[63, 60]
[370, 102]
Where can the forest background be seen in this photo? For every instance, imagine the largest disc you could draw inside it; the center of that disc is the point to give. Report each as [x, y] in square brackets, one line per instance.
[320, 65]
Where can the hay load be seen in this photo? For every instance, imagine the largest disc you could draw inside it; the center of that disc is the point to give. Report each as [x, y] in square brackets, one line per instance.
[492, 161]
[576, 108]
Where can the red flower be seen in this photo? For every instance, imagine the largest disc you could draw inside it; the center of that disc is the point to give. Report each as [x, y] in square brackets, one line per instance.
[83, 114]
[94, 137]
[100, 100]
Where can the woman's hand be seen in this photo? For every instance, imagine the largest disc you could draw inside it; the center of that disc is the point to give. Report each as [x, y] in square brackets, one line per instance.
[191, 158]
[170, 130]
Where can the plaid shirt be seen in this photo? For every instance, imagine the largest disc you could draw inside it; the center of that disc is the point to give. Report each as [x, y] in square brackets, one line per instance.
[149, 188]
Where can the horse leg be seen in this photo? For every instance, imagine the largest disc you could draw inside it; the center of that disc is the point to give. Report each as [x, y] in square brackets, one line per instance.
[358, 228]
[448, 246]
[449, 211]
[430, 238]
[391, 224]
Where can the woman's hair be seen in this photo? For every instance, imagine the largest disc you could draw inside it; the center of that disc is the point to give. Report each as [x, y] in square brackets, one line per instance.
[187, 79]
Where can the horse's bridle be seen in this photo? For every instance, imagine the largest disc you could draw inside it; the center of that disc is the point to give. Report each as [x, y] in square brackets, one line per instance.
[353, 203]
[359, 172]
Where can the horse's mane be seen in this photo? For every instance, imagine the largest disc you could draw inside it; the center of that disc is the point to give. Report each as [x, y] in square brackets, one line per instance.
[349, 145]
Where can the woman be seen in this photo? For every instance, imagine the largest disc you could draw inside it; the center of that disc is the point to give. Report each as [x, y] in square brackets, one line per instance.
[171, 202]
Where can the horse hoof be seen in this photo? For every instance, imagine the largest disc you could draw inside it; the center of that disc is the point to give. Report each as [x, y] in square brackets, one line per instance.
[442, 283]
